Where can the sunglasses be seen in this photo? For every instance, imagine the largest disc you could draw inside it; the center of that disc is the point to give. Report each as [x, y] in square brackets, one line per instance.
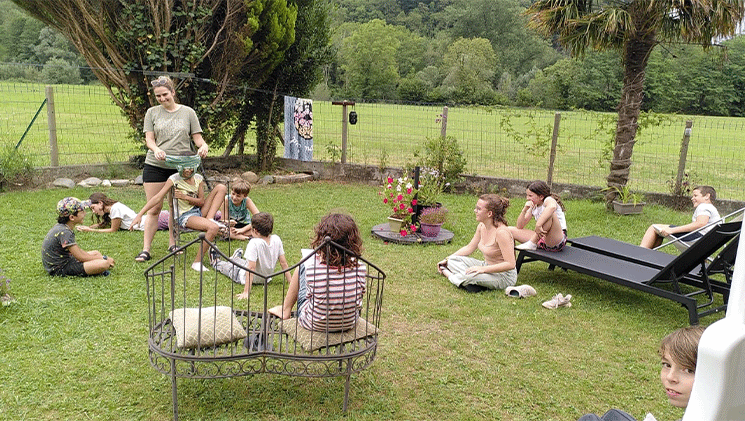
[159, 82]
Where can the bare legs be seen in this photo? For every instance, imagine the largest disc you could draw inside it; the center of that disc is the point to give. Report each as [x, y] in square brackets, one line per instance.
[151, 222]
[285, 310]
[651, 239]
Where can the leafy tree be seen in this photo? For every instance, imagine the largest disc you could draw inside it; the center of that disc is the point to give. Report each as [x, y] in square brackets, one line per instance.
[468, 66]
[634, 28]
[299, 73]
[60, 71]
[500, 21]
[227, 41]
[368, 57]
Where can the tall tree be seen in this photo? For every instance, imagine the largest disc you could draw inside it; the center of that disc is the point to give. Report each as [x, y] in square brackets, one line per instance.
[299, 72]
[219, 40]
[633, 27]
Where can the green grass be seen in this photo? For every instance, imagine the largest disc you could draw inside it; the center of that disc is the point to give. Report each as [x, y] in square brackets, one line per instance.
[512, 143]
[76, 348]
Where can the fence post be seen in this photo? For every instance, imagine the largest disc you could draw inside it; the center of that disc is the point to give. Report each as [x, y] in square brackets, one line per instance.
[52, 124]
[444, 128]
[344, 122]
[552, 156]
[682, 159]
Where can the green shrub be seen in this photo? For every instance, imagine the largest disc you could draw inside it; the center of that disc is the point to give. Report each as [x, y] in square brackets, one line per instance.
[15, 163]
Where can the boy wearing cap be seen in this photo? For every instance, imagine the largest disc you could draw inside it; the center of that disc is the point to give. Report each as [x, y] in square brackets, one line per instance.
[61, 255]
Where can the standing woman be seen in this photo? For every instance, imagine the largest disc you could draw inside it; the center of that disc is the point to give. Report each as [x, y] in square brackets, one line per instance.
[170, 129]
[494, 241]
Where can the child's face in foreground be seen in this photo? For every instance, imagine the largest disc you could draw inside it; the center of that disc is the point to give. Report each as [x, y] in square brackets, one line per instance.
[697, 198]
[237, 198]
[677, 381]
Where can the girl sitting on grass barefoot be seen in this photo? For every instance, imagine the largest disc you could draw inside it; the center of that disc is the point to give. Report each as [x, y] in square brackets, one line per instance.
[550, 232]
[328, 287]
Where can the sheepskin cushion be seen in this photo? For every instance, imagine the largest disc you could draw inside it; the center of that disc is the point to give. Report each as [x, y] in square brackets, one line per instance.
[310, 340]
[218, 326]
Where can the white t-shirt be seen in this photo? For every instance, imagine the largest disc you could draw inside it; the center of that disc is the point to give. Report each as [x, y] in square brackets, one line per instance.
[264, 254]
[121, 211]
[709, 210]
[538, 210]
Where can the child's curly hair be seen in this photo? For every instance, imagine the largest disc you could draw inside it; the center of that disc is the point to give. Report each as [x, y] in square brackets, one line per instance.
[343, 231]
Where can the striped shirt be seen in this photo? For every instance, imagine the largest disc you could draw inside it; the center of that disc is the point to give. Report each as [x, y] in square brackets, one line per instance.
[334, 298]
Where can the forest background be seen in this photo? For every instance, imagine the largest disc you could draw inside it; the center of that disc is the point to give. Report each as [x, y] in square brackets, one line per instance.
[446, 51]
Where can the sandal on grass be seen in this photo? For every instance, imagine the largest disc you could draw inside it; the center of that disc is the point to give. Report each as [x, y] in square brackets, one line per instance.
[144, 256]
[174, 248]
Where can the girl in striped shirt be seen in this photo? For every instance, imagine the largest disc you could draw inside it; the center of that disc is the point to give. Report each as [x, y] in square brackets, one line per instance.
[328, 287]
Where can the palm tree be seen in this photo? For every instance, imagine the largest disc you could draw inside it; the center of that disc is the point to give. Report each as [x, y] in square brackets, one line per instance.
[634, 28]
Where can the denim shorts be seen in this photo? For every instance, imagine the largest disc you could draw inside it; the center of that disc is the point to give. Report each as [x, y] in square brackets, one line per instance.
[195, 211]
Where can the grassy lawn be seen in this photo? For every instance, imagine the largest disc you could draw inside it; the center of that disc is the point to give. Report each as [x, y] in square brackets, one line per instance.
[76, 348]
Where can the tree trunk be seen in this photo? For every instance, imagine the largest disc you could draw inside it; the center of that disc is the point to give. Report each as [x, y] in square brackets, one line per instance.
[635, 57]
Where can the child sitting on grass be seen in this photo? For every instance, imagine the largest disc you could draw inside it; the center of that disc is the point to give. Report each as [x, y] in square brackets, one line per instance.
[262, 254]
[678, 353]
[61, 254]
[240, 208]
[194, 211]
[328, 287]
[704, 212]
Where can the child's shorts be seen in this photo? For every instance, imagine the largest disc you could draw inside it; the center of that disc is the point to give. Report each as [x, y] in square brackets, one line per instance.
[72, 268]
[543, 246]
[184, 217]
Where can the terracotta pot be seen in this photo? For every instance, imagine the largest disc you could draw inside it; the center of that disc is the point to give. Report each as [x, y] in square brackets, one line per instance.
[430, 230]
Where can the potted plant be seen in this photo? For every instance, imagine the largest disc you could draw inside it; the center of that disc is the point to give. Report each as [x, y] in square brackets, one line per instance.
[626, 201]
[431, 220]
[399, 199]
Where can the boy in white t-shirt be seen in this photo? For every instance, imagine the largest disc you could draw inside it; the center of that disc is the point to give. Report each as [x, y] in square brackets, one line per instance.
[704, 213]
[262, 254]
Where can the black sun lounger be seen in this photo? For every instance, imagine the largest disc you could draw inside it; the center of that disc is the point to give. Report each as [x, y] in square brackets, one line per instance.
[627, 272]
[723, 263]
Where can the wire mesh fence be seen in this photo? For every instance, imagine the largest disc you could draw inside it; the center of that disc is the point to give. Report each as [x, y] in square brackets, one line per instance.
[502, 142]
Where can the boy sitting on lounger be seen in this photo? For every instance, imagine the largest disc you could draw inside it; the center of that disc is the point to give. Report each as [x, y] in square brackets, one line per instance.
[704, 213]
[262, 254]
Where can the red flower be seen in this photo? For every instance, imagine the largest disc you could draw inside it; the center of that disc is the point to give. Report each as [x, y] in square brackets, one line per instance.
[401, 206]
[385, 200]
[403, 232]
[400, 197]
[410, 210]
[390, 180]
[413, 202]
[408, 191]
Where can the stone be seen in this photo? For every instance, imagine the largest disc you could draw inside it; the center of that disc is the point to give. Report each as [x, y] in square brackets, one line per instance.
[106, 183]
[268, 179]
[292, 178]
[138, 180]
[90, 182]
[120, 183]
[250, 176]
[64, 183]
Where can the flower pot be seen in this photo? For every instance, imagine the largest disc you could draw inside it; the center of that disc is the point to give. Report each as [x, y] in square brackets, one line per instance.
[394, 224]
[430, 230]
[628, 208]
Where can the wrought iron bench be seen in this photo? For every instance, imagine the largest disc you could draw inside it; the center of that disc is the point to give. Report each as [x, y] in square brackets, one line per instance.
[198, 329]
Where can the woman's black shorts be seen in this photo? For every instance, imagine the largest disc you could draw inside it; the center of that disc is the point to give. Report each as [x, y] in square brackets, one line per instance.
[153, 174]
